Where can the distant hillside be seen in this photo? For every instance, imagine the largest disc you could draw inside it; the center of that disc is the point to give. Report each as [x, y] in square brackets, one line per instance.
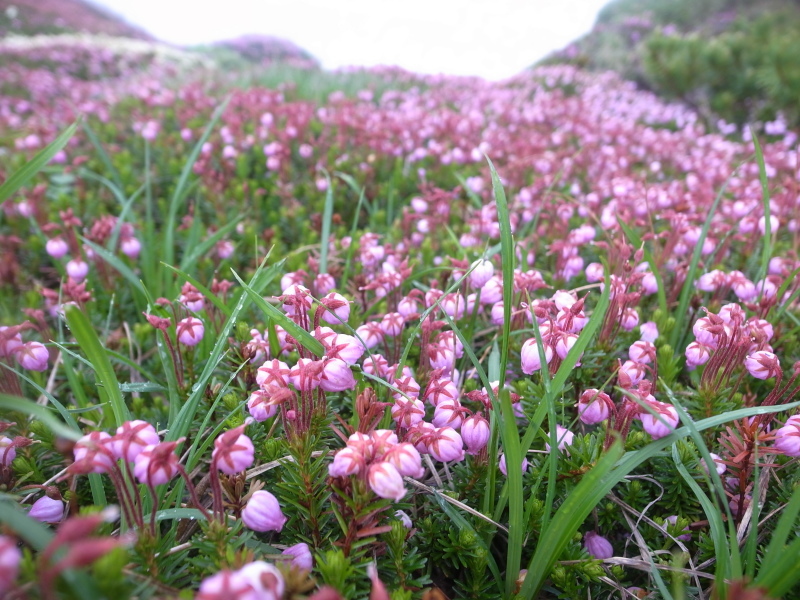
[31, 17]
[735, 60]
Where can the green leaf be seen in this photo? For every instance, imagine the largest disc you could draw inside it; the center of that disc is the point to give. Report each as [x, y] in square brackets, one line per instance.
[304, 338]
[107, 383]
[36, 164]
[766, 248]
[327, 215]
[46, 416]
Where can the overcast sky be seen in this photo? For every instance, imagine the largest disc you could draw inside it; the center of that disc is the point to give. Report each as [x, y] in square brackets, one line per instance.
[489, 38]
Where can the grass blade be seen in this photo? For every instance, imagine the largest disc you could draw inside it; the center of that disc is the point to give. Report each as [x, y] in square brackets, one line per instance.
[327, 215]
[23, 405]
[36, 164]
[107, 383]
[304, 338]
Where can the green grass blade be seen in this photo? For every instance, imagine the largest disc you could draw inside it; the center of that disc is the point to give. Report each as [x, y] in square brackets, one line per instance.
[327, 215]
[677, 335]
[101, 152]
[189, 259]
[223, 308]
[304, 338]
[568, 518]
[23, 405]
[36, 164]
[516, 501]
[766, 252]
[507, 264]
[107, 383]
[182, 187]
[117, 263]
[636, 240]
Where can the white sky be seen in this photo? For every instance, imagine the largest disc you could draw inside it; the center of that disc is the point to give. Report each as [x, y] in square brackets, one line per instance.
[490, 38]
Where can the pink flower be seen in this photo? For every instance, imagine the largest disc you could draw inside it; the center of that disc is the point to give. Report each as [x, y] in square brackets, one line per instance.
[156, 465]
[47, 510]
[226, 585]
[405, 459]
[347, 461]
[697, 354]
[190, 331]
[306, 374]
[530, 356]
[130, 247]
[94, 447]
[9, 342]
[386, 481]
[346, 347]
[597, 546]
[594, 406]
[683, 537]
[642, 352]
[263, 512]
[564, 438]
[787, 439]
[273, 372]
[260, 405]
[648, 331]
[337, 309]
[392, 324]
[658, 428]
[719, 466]
[475, 433]
[77, 270]
[265, 579]
[482, 272]
[10, 557]
[57, 247]
[407, 413]
[7, 451]
[33, 356]
[762, 364]
[445, 445]
[504, 469]
[301, 556]
[233, 451]
[336, 376]
[132, 438]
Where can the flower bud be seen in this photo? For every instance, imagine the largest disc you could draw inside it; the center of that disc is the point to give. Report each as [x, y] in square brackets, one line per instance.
[7, 451]
[57, 247]
[594, 406]
[157, 464]
[47, 510]
[336, 376]
[405, 459]
[658, 428]
[762, 364]
[787, 439]
[233, 451]
[530, 356]
[226, 585]
[386, 481]
[347, 461]
[597, 546]
[564, 438]
[33, 356]
[94, 447]
[190, 331]
[301, 556]
[263, 512]
[475, 433]
[482, 272]
[77, 270]
[265, 579]
[504, 469]
[445, 445]
[132, 437]
[337, 309]
[10, 557]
